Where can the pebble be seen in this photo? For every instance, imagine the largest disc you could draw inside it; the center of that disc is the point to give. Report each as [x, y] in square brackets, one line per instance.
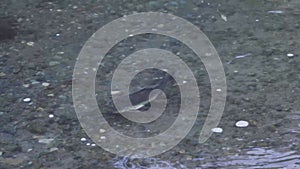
[88, 144]
[93, 145]
[45, 84]
[53, 63]
[53, 149]
[290, 55]
[1, 113]
[115, 92]
[51, 116]
[83, 139]
[26, 85]
[2, 74]
[1, 153]
[45, 140]
[102, 131]
[30, 43]
[33, 82]
[275, 12]
[217, 130]
[27, 100]
[242, 123]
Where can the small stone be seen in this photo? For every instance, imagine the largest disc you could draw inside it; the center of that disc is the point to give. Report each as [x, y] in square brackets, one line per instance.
[102, 131]
[19, 20]
[51, 116]
[62, 97]
[45, 84]
[37, 127]
[154, 4]
[102, 137]
[50, 95]
[115, 92]
[27, 100]
[217, 130]
[182, 151]
[290, 55]
[160, 25]
[93, 145]
[26, 85]
[2, 74]
[54, 63]
[189, 157]
[30, 43]
[242, 123]
[45, 140]
[28, 150]
[33, 82]
[219, 90]
[53, 149]
[83, 139]
[1, 113]
[88, 144]
[1, 153]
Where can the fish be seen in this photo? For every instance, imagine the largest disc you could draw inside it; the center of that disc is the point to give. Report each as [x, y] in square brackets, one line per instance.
[140, 97]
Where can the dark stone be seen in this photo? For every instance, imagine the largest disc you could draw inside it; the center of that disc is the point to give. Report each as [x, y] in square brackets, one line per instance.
[7, 30]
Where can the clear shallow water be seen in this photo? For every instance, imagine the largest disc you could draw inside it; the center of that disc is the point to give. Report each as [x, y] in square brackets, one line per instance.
[255, 158]
[263, 88]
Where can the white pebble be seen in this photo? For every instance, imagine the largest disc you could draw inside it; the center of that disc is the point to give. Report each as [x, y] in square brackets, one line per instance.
[102, 131]
[217, 130]
[26, 100]
[219, 90]
[93, 145]
[83, 139]
[102, 137]
[26, 85]
[53, 149]
[290, 55]
[45, 141]
[242, 123]
[51, 116]
[88, 144]
[30, 43]
[115, 92]
[45, 84]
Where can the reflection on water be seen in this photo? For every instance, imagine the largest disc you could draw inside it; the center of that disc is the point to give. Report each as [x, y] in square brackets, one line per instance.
[259, 158]
[149, 163]
[254, 158]
[279, 155]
